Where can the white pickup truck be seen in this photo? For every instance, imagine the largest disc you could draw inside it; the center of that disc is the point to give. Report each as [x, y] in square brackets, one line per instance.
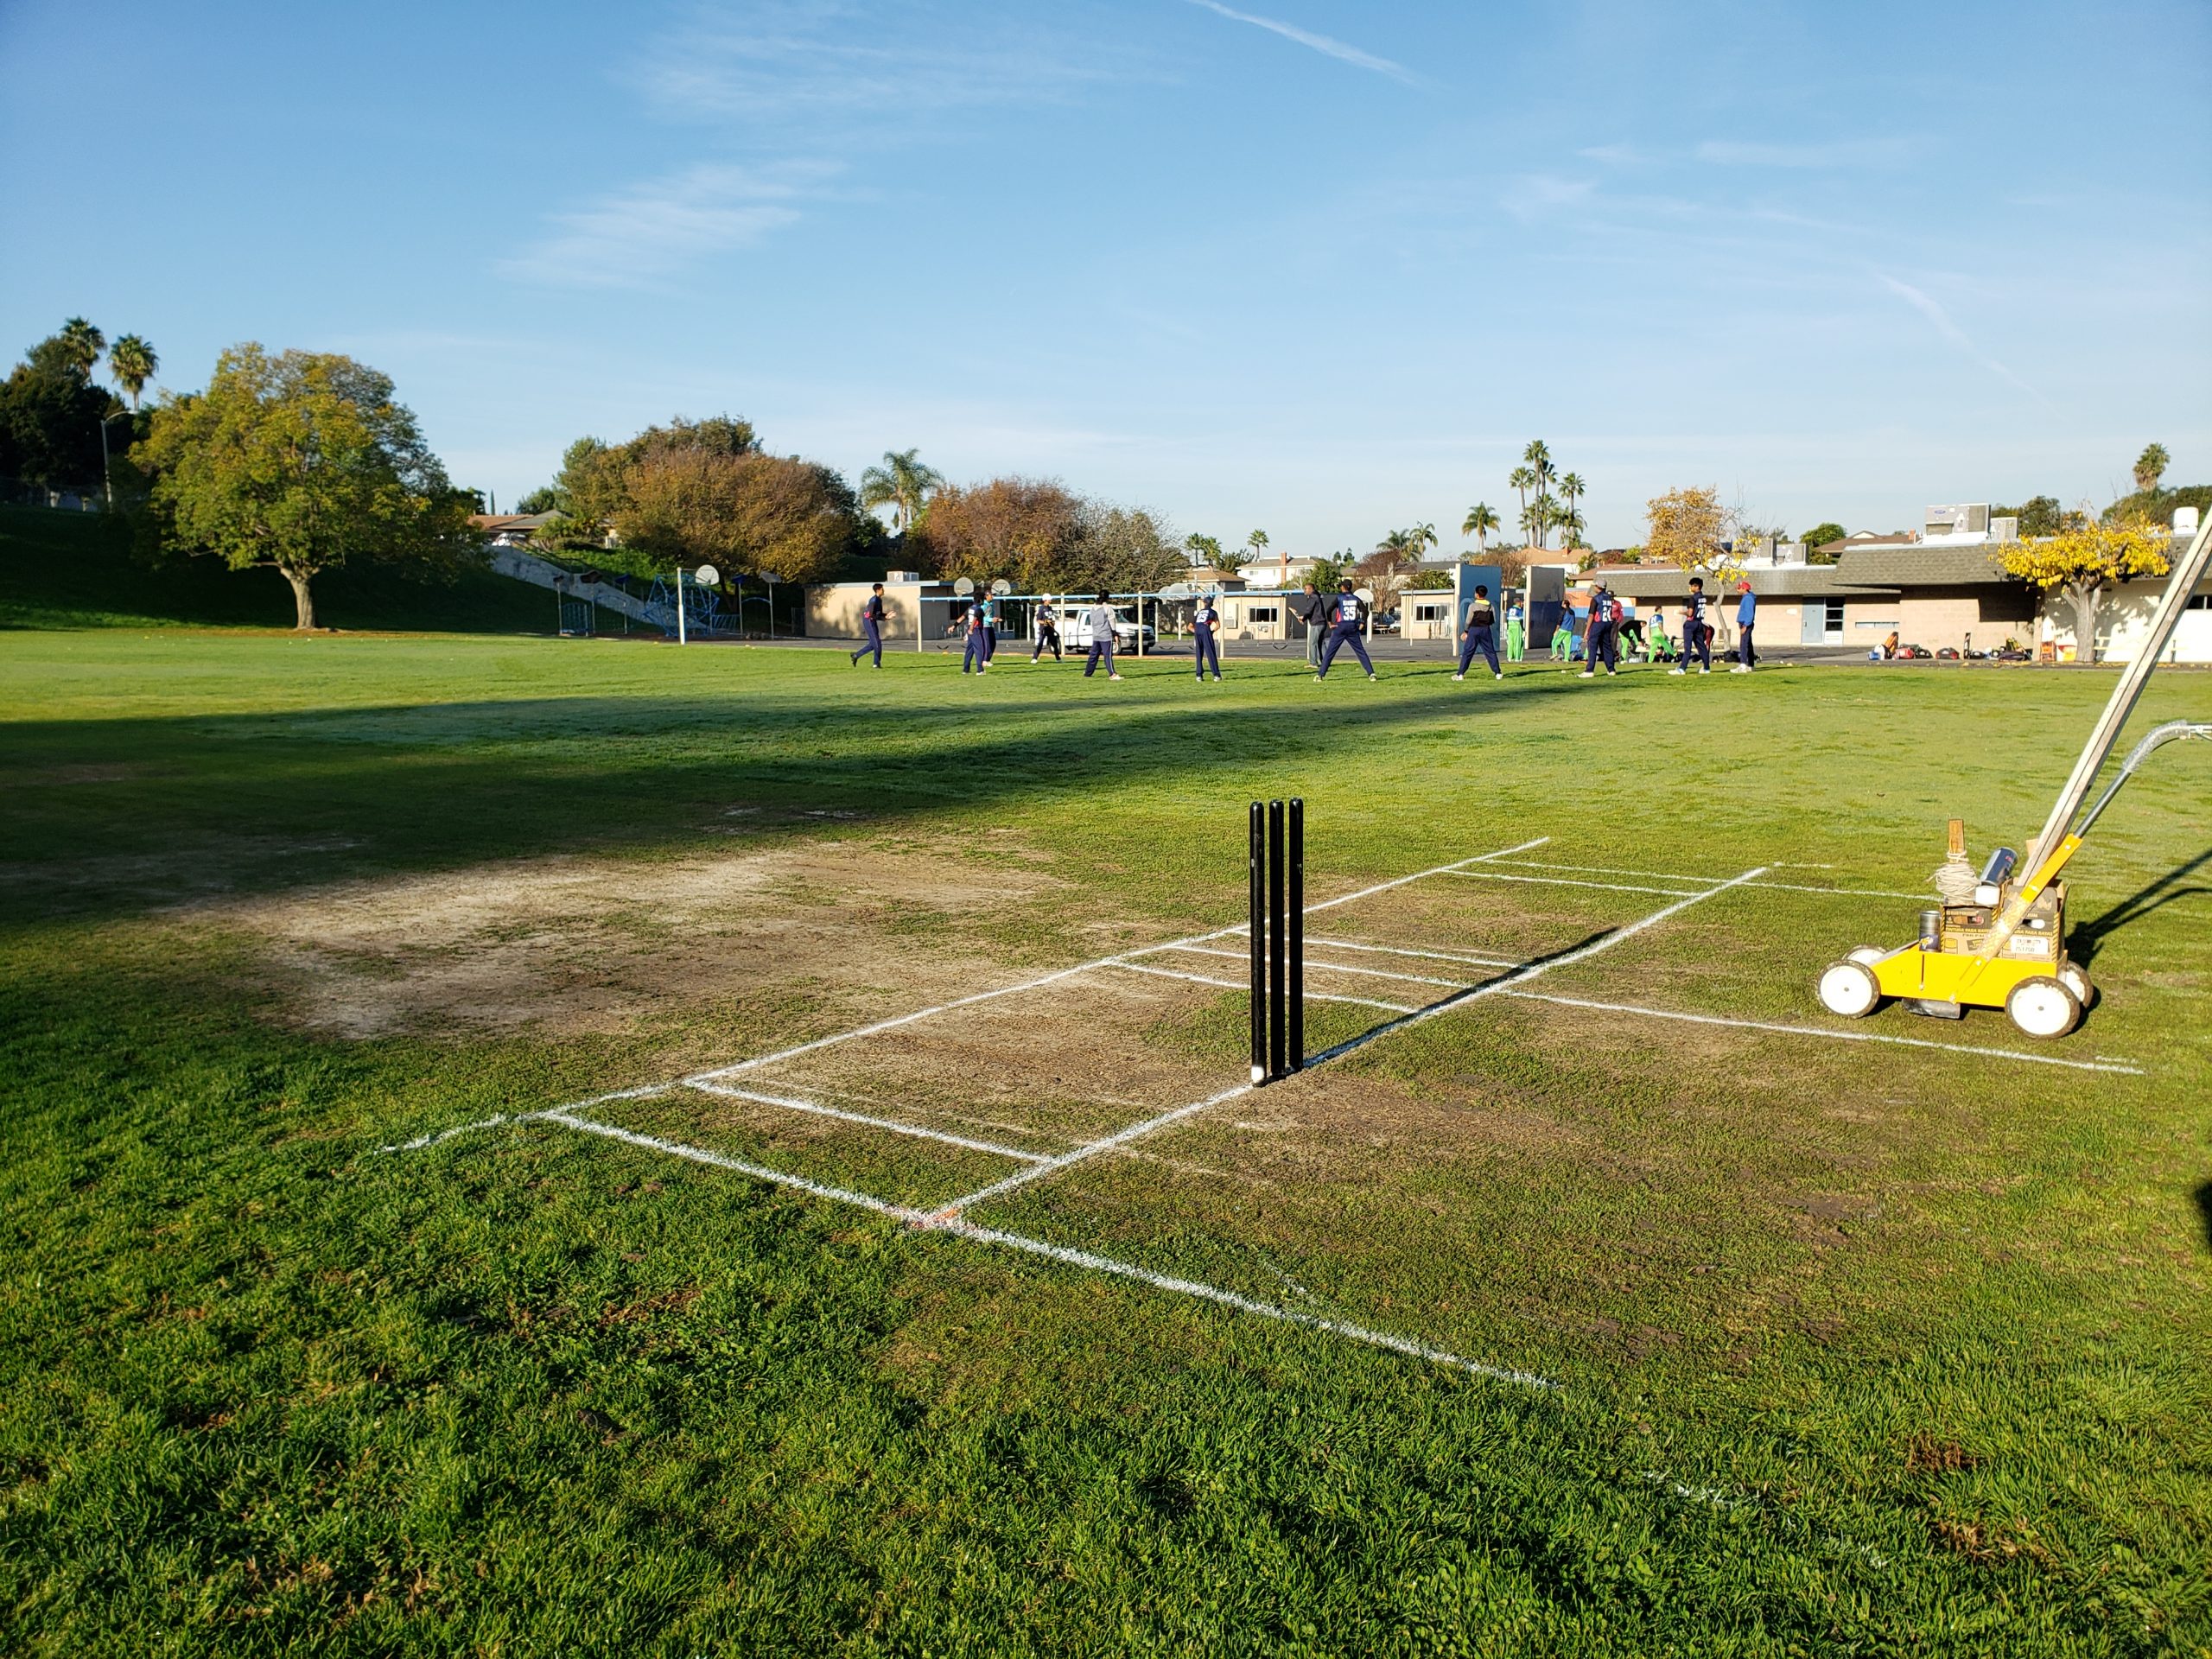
[1075, 628]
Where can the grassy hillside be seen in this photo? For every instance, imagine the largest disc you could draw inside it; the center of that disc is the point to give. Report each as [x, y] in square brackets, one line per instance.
[77, 570]
[1888, 1343]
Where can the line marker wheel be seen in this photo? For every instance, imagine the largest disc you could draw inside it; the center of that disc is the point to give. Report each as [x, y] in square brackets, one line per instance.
[1848, 987]
[2044, 1007]
[2071, 977]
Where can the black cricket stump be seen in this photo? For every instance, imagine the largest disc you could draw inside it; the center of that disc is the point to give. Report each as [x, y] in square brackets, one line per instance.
[1277, 879]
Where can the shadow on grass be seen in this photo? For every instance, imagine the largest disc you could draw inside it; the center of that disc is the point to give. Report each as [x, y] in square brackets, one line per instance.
[2085, 941]
[118, 817]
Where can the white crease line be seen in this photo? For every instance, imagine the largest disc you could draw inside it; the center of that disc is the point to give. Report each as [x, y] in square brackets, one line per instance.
[1534, 970]
[1840, 1036]
[1780, 886]
[1244, 1304]
[891, 1123]
[1422, 875]
[1333, 967]
[1231, 985]
[1059, 1253]
[760, 1173]
[1135, 1131]
[1568, 882]
[420, 1142]
[1434, 956]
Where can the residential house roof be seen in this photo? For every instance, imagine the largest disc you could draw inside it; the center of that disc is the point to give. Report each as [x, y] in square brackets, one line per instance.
[1919, 567]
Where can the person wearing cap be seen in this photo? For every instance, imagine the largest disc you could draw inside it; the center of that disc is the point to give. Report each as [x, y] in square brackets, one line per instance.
[1205, 632]
[1747, 610]
[872, 615]
[1479, 634]
[1100, 616]
[1048, 631]
[1601, 639]
[1345, 612]
[1697, 635]
[975, 655]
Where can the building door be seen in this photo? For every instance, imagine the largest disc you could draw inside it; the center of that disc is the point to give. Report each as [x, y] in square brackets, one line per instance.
[1832, 633]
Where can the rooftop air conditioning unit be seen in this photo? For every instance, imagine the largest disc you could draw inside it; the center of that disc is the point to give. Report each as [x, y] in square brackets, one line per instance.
[2004, 529]
[2185, 521]
[902, 576]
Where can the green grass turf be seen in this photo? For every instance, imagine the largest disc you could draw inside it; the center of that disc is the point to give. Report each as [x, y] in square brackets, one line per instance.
[1861, 1350]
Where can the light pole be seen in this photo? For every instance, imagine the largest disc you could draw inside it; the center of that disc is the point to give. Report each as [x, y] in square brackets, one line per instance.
[107, 482]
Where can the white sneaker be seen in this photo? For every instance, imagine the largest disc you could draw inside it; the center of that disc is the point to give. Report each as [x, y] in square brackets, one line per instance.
[1113, 677]
[1740, 668]
[1587, 674]
[1678, 671]
[1497, 677]
[1704, 670]
[1456, 679]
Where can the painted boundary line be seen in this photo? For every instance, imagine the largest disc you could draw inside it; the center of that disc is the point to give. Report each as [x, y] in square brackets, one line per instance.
[1037, 1247]
[894, 1125]
[1400, 950]
[1138, 1130]
[1332, 967]
[2119, 1066]
[1231, 985]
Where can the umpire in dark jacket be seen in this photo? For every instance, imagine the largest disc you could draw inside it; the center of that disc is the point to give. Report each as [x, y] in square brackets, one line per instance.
[1312, 608]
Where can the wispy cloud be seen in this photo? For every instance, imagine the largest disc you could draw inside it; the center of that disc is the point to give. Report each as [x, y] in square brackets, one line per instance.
[639, 237]
[1931, 308]
[820, 60]
[1614, 154]
[1845, 153]
[1328, 46]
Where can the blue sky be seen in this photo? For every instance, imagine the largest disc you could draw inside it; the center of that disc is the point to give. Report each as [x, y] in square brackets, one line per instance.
[1304, 264]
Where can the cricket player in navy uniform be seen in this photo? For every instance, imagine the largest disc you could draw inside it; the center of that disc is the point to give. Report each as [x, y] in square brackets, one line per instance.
[977, 652]
[1100, 616]
[1205, 629]
[871, 620]
[1480, 634]
[1697, 632]
[1048, 631]
[1345, 612]
[1602, 638]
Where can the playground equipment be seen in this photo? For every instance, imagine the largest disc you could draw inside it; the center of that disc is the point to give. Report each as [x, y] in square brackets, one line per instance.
[1999, 940]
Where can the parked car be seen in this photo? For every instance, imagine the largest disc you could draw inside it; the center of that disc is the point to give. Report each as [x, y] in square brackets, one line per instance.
[1386, 621]
[1075, 630]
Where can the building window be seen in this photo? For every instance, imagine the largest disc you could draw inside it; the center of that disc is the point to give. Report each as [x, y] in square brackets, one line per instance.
[1262, 613]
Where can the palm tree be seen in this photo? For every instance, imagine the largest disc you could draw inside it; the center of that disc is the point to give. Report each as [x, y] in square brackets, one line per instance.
[133, 362]
[903, 484]
[1482, 519]
[1420, 538]
[85, 344]
[1572, 489]
[1203, 550]
[1257, 541]
[2151, 466]
[1538, 454]
[1571, 522]
[1523, 480]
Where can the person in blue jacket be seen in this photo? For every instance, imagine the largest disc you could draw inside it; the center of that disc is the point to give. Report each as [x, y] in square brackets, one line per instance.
[1346, 613]
[872, 618]
[1205, 630]
[1747, 610]
[1480, 634]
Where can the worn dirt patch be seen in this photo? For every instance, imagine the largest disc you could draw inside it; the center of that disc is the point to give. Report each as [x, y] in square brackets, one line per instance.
[592, 944]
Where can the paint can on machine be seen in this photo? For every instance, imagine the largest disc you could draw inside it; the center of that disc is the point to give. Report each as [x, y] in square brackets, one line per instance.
[1931, 928]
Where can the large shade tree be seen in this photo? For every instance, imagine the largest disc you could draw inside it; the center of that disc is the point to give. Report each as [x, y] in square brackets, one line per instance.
[1684, 527]
[772, 516]
[300, 462]
[2079, 563]
[52, 414]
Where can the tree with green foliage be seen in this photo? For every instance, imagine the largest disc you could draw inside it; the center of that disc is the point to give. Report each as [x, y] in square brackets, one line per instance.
[1521, 480]
[1572, 489]
[132, 363]
[1419, 539]
[1818, 538]
[300, 462]
[903, 483]
[1481, 520]
[2150, 466]
[1203, 550]
[82, 345]
[772, 516]
[51, 414]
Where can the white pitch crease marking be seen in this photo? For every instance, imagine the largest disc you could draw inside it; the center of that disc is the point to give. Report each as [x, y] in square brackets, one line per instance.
[891, 1123]
[1780, 886]
[2098, 1065]
[1232, 985]
[1399, 950]
[1086, 1259]
[643, 1091]
[1092, 1148]
[1569, 881]
[1333, 967]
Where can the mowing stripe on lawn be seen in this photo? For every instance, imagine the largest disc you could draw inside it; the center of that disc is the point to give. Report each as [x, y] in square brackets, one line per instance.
[2123, 1067]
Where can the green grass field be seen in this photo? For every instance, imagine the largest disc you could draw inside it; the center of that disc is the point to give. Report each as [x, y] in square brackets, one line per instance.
[1850, 1347]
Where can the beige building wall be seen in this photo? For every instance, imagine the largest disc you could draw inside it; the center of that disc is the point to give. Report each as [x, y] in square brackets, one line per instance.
[2124, 620]
[1257, 618]
[1429, 614]
[833, 610]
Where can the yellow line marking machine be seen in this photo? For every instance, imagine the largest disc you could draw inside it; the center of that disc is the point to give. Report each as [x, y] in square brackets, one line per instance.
[1999, 939]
